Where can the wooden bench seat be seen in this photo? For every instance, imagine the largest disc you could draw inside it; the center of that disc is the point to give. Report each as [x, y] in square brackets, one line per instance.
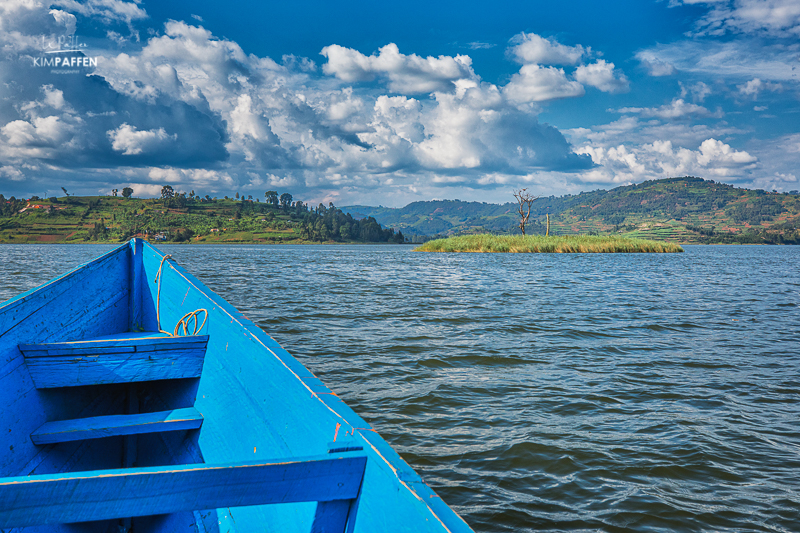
[121, 359]
[113, 425]
[334, 480]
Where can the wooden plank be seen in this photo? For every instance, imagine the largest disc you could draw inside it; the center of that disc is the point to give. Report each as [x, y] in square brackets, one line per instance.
[99, 351]
[123, 342]
[80, 351]
[114, 425]
[109, 494]
[331, 517]
[79, 370]
[97, 427]
[129, 335]
[131, 441]
[121, 359]
[346, 444]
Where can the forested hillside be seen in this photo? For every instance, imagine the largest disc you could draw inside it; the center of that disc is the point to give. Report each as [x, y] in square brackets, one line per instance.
[686, 210]
[179, 217]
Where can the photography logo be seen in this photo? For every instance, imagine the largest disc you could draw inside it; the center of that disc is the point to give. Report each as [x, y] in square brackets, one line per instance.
[65, 54]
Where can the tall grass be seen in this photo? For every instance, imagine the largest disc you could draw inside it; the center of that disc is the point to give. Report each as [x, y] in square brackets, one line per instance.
[561, 244]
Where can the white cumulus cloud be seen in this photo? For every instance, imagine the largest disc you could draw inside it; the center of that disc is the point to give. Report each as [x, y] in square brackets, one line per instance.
[756, 86]
[128, 140]
[699, 91]
[106, 10]
[534, 83]
[40, 137]
[214, 179]
[602, 75]
[532, 48]
[660, 159]
[12, 173]
[410, 74]
[719, 154]
[654, 65]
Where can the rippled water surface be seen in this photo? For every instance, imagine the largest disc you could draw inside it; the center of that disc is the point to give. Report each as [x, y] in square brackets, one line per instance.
[541, 392]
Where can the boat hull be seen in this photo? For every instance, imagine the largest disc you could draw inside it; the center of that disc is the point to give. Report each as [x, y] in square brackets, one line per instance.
[257, 402]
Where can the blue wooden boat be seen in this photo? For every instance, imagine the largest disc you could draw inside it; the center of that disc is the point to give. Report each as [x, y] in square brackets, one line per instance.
[135, 399]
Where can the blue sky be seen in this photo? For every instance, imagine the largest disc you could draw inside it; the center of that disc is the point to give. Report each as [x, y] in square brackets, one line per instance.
[387, 103]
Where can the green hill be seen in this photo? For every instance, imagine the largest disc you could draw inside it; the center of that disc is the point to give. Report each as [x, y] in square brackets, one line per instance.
[684, 210]
[182, 218]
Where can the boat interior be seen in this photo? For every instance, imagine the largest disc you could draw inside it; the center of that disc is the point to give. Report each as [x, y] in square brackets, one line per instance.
[135, 399]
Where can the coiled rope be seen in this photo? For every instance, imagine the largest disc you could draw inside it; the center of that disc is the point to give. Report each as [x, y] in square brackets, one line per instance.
[183, 323]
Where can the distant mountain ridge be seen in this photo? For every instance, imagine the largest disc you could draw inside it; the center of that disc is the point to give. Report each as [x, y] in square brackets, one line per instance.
[441, 216]
[687, 210]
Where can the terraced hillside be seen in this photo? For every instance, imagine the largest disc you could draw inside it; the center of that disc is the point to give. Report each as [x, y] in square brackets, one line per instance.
[182, 218]
[683, 210]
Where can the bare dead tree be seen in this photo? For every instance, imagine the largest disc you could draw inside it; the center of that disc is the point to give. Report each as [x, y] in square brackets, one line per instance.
[525, 200]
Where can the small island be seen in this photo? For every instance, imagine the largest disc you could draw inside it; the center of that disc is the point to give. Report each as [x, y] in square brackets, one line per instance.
[545, 244]
[561, 244]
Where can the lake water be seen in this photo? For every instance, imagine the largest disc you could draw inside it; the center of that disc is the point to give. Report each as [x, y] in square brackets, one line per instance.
[541, 392]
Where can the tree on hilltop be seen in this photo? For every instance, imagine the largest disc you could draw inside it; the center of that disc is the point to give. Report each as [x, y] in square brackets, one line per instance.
[167, 194]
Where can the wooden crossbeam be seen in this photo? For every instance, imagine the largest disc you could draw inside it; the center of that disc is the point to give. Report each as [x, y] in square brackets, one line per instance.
[112, 425]
[102, 361]
[337, 516]
[129, 492]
